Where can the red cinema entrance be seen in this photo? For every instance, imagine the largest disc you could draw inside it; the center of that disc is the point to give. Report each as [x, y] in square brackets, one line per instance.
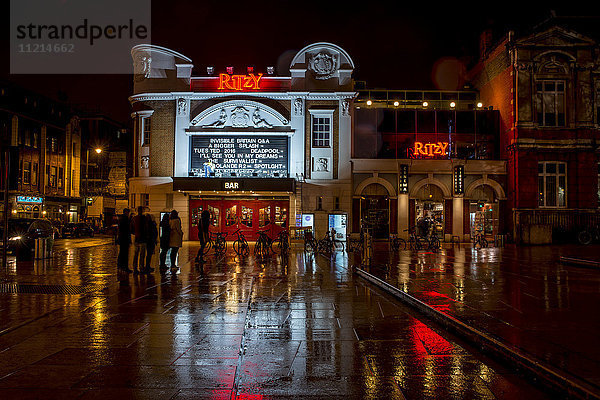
[248, 215]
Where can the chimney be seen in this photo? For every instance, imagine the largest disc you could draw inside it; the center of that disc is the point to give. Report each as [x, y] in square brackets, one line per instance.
[485, 43]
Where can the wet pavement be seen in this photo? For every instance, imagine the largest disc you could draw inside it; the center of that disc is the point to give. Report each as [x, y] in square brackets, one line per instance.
[521, 296]
[71, 327]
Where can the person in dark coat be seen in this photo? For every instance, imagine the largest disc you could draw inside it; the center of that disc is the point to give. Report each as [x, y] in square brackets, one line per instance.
[165, 237]
[140, 231]
[175, 238]
[152, 236]
[203, 234]
[124, 241]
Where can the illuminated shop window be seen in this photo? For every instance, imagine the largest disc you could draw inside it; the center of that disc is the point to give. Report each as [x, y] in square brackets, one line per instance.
[246, 217]
[231, 216]
[264, 216]
[214, 215]
[281, 216]
[552, 184]
[550, 103]
[321, 131]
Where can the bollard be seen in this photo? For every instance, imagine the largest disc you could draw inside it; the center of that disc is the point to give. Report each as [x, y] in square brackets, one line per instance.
[41, 248]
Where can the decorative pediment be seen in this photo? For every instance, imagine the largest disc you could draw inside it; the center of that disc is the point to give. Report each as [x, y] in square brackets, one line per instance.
[239, 114]
[556, 37]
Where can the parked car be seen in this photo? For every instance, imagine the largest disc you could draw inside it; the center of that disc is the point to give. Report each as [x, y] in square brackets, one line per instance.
[22, 233]
[76, 230]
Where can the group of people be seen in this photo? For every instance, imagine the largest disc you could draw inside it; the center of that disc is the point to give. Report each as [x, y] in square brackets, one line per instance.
[145, 232]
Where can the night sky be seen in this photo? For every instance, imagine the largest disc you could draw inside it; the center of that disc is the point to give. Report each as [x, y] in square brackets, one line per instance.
[394, 45]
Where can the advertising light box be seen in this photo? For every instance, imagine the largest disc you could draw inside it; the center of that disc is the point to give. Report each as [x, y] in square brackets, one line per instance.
[239, 156]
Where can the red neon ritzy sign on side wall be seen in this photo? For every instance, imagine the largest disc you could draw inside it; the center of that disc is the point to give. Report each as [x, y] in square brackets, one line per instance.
[239, 82]
[430, 150]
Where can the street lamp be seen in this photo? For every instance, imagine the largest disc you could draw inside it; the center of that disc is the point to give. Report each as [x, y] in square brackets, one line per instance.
[87, 168]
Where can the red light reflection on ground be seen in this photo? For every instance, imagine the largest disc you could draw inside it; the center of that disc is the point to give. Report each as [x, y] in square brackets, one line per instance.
[433, 343]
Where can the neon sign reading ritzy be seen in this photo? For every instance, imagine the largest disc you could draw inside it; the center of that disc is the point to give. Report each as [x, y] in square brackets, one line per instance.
[239, 82]
[439, 149]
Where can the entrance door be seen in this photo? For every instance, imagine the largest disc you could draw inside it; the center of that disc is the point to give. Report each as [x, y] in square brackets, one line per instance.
[249, 216]
[377, 215]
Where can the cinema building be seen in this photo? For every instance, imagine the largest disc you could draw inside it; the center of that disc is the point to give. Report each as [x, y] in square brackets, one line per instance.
[266, 151]
[255, 148]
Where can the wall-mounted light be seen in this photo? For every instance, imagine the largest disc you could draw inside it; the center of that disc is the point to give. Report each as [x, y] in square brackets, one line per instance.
[210, 70]
[425, 104]
[479, 105]
[230, 70]
[270, 70]
[452, 104]
[396, 103]
[369, 102]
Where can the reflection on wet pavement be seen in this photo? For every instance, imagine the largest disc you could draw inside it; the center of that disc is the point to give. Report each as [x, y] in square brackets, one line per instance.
[520, 295]
[242, 329]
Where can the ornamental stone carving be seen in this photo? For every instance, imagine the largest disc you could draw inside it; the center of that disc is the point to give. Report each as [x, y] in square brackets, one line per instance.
[323, 65]
[181, 106]
[298, 107]
[240, 117]
[258, 121]
[145, 160]
[142, 67]
[345, 107]
[219, 123]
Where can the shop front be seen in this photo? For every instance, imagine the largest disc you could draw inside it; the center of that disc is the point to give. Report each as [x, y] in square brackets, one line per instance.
[28, 207]
[429, 211]
[264, 205]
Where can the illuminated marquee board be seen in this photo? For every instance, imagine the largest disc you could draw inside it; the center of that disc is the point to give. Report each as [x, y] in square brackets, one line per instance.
[430, 150]
[239, 156]
[240, 83]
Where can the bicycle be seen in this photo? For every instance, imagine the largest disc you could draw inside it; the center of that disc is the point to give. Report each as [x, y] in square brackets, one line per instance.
[327, 245]
[415, 242]
[240, 245]
[263, 245]
[281, 245]
[588, 235]
[397, 243]
[219, 244]
[310, 243]
[433, 243]
[356, 245]
[480, 240]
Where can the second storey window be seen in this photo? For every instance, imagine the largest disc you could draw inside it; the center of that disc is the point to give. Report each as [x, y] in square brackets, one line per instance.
[321, 131]
[26, 172]
[550, 103]
[146, 129]
[552, 184]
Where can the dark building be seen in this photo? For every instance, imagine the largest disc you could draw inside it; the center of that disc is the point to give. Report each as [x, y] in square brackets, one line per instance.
[546, 85]
[43, 138]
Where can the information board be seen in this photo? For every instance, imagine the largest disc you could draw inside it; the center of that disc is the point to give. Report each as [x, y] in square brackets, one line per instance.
[239, 156]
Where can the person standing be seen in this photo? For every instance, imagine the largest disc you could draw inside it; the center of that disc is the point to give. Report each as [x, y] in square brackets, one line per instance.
[124, 241]
[175, 237]
[165, 237]
[203, 234]
[151, 238]
[139, 229]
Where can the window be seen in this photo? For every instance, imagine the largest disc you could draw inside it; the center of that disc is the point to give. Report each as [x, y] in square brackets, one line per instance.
[36, 138]
[26, 172]
[319, 202]
[550, 103]
[147, 128]
[34, 174]
[52, 177]
[552, 184]
[74, 149]
[321, 131]
[60, 177]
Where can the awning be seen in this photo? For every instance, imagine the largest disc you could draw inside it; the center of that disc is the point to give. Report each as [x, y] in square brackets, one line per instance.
[233, 184]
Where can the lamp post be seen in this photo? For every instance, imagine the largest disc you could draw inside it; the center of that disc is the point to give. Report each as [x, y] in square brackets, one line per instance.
[87, 168]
